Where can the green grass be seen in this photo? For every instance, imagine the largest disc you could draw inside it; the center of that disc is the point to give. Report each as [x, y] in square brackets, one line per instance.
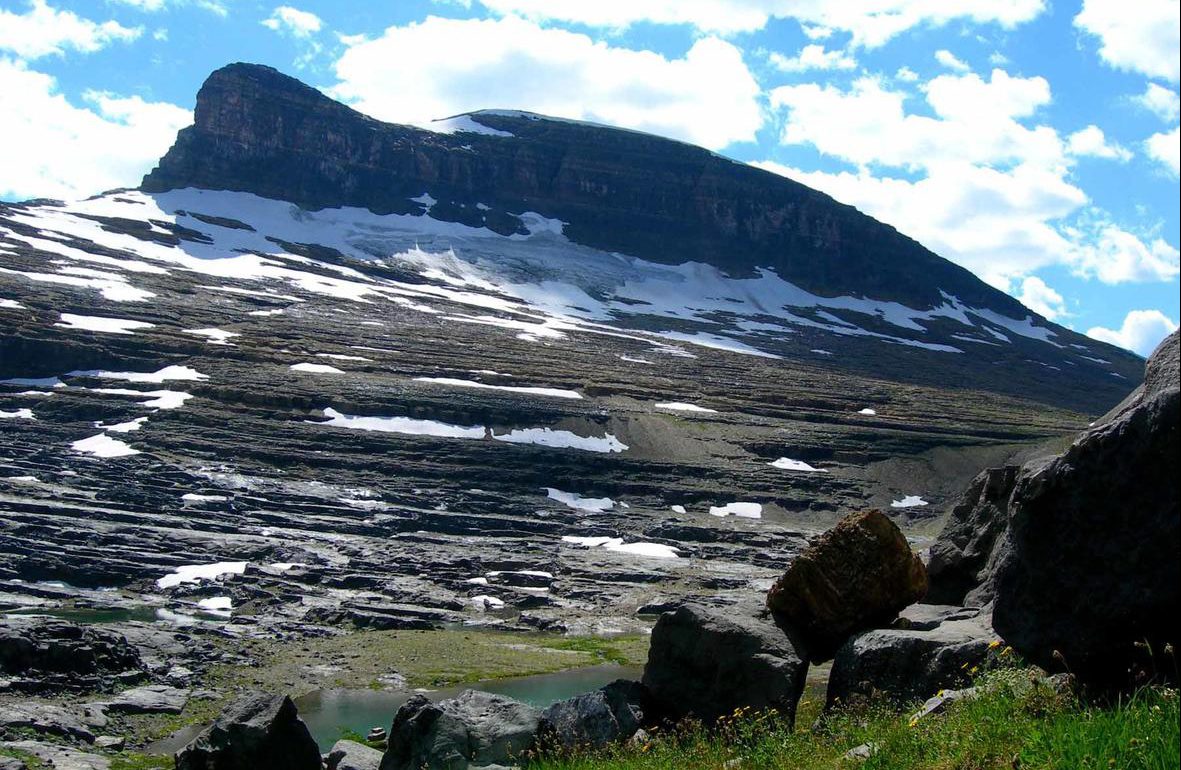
[30, 761]
[133, 761]
[1015, 724]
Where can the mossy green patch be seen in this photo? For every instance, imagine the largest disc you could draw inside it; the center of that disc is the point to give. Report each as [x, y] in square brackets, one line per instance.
[133, 761]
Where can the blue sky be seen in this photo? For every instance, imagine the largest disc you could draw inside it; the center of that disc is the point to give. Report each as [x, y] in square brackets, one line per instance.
[1035, 143]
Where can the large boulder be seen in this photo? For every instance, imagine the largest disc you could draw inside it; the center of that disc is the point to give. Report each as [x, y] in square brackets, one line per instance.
[932, 648]
[961, 559]
[41, 654]
[476, 729]
[259, 732]
[705, 663]
[595, 719]
[857, 575]
[1087, 576]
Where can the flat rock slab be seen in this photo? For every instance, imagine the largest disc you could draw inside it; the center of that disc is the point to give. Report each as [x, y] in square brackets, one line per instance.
[150, 699]
[60, 757]
[44, 718]
[350, 755]
[937, 652]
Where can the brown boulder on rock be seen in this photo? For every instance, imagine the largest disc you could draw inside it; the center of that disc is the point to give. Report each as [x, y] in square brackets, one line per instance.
[856, 576]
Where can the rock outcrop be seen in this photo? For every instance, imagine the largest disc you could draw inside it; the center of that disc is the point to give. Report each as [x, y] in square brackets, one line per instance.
[476, 729]
[43, 654]
[259, 732]
[961, 558]
[932, 648]
[1089, 571]
[705, 663]
[856, 576]
[595, 719]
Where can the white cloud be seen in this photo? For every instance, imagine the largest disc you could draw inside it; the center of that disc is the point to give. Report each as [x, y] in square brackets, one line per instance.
[1114, 255]
[413, 74]
[53, 148]
[1090, 142]
[43, 30]
[870, 22]
[1002, 225]
[1141, 36]
[993, 192]
[1040, 298]
[906, 75]
[951, 61]
[997, 223]
[813, 57]
[1141, 332]
[145, 5]
[297, 23]
[976, 121]
[151, 6]
[1165, 148]
[1163, 102]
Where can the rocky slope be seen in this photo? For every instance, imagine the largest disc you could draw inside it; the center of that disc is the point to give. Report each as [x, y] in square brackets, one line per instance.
[322, 372]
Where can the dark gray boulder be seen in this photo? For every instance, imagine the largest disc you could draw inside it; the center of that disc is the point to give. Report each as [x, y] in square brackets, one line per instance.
[595, 719]
[705, 663]
[476, 729]
[961, 560]
[855, 576]
[259, 732]
[936, 650]
[1087, 576]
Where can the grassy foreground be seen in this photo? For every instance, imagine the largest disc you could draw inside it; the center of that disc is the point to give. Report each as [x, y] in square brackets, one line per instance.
[1015, 724]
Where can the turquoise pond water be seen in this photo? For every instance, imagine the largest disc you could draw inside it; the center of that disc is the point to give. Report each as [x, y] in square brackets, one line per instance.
[329, 712]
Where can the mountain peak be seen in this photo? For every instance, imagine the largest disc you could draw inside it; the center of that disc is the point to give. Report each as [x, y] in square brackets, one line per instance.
[260, 131]
[775, 250]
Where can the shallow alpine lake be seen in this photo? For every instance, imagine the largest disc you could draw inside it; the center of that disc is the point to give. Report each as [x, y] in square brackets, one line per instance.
[329, 713]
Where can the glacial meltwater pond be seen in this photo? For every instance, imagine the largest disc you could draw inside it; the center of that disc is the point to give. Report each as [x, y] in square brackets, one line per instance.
[330, 712]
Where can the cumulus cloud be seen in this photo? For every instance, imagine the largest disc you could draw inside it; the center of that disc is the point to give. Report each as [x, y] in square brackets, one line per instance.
[951, 61]
[292, 21]
[413, 74]
[986, 185]
[1139, 37]
[1092, 142]
[1161, 101]
[1114, 255]
[813, 57]
[998, 224]
[43, 31]
[870, 22]
[1141, 332]
[1165, 149]
[975, 121]
[1040, 298]
[53, 148]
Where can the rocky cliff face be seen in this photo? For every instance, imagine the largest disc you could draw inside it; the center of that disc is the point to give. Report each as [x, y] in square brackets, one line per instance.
[655, 200]
[260, 131]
